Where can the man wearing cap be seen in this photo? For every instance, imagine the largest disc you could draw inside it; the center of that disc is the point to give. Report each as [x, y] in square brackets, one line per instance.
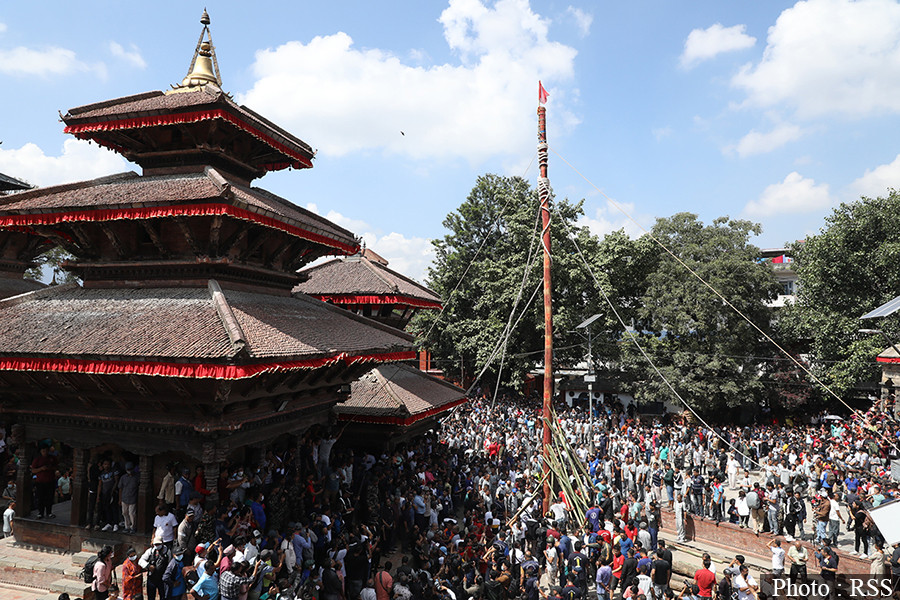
[186, 530]
[201, 551]
[266, 576]
[154, 561]
[173, 577]
[128, 496]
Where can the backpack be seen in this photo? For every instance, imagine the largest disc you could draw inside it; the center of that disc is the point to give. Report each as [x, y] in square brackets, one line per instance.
[753, 500]
[578, 565]
[87, 571]
[160, 561]
[492, 589]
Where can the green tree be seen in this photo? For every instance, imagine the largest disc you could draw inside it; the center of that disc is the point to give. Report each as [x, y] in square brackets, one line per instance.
[51, 263]
[500, 216]
[707, 351]
[845, 271]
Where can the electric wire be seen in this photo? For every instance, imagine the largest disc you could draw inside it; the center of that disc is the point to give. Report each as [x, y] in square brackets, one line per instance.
[726, 301]
[525, 274]
[640, 348]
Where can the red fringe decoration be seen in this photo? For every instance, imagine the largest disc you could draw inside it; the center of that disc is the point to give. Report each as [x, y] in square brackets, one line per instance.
[193, 370]
[81, 130]
[179, 210]
[382, 299]
[398, 420]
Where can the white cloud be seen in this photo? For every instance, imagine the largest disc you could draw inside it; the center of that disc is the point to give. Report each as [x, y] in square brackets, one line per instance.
[410, 256]
[661, 132]
[607, 218]
[582, 19]
[132, 56]
[23, 61]
[796, 194]
[704, 44]
[2, 27]
[875, 182]
[78, 162]
[759, 143]
[829, 56]
[344, 99]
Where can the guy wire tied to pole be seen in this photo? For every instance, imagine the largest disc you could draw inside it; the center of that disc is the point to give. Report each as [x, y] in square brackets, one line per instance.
[634, 340]
[729, 304]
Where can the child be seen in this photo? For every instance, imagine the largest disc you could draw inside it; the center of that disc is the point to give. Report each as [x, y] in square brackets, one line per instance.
[733, 516]
[8, 519]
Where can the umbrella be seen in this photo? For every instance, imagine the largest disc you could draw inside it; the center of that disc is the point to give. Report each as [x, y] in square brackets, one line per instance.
[832, 418]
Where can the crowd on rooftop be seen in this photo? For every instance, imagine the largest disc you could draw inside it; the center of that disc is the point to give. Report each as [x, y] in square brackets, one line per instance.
[458, 512]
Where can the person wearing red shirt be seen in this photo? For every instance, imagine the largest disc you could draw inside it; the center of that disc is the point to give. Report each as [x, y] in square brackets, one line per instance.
[44, 469]
[132, 577]
[705, 580]
[617, 562]
[199, 482]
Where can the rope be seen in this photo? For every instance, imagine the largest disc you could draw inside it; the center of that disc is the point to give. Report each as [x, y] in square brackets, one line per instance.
[641, 349]
[525, 273]
[477, 252]
[725, 300]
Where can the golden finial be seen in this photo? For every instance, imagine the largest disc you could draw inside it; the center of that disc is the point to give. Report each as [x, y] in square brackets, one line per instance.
[204, 67]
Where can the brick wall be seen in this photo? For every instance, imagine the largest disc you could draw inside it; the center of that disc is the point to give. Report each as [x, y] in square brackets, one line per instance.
[729, 537]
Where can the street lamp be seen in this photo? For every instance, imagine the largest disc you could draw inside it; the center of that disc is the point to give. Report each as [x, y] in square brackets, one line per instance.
[590, 378]
[882, 334]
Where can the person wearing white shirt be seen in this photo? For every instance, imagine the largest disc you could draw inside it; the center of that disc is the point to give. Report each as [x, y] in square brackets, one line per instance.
[777, 557]
[745, 585]
[165, 523]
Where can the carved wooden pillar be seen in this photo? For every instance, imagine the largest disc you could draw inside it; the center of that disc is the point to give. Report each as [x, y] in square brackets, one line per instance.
[146, 504]
[80, 464]
[24, 453]
[214, 453]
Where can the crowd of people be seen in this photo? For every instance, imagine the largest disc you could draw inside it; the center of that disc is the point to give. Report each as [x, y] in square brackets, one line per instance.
[458, 513]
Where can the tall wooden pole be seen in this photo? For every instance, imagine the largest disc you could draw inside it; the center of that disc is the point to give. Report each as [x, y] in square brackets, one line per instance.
[544, 194]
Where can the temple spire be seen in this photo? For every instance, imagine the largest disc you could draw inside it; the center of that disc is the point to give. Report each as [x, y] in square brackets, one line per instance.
[204, 67]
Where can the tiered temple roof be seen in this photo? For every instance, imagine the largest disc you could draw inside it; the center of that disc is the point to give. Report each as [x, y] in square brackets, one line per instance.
[398, 394]
[365, 285]
[390, 402]
[11, 184]
[17, 249]
[184, 336]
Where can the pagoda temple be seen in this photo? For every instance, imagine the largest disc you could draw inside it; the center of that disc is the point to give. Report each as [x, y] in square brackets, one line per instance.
[183, 342]
[390, 403]
[18, 249]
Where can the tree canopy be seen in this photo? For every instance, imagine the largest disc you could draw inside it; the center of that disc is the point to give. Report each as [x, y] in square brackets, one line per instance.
[709, 353]
[500, 218]
[846, 270]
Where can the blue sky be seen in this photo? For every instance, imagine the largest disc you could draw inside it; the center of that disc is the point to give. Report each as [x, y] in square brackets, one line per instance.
[772, 111]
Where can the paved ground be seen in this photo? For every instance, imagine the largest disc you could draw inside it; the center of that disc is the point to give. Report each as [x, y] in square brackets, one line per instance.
[9, 591]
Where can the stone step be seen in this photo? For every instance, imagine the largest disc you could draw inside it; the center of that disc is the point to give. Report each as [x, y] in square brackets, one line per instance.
[80, 558]
[76, 589]
[36, 548]
[73, 572]
[94, 545]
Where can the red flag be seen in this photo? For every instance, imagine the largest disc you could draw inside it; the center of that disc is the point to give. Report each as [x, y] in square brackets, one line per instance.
[542, 94]
[778, 259]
